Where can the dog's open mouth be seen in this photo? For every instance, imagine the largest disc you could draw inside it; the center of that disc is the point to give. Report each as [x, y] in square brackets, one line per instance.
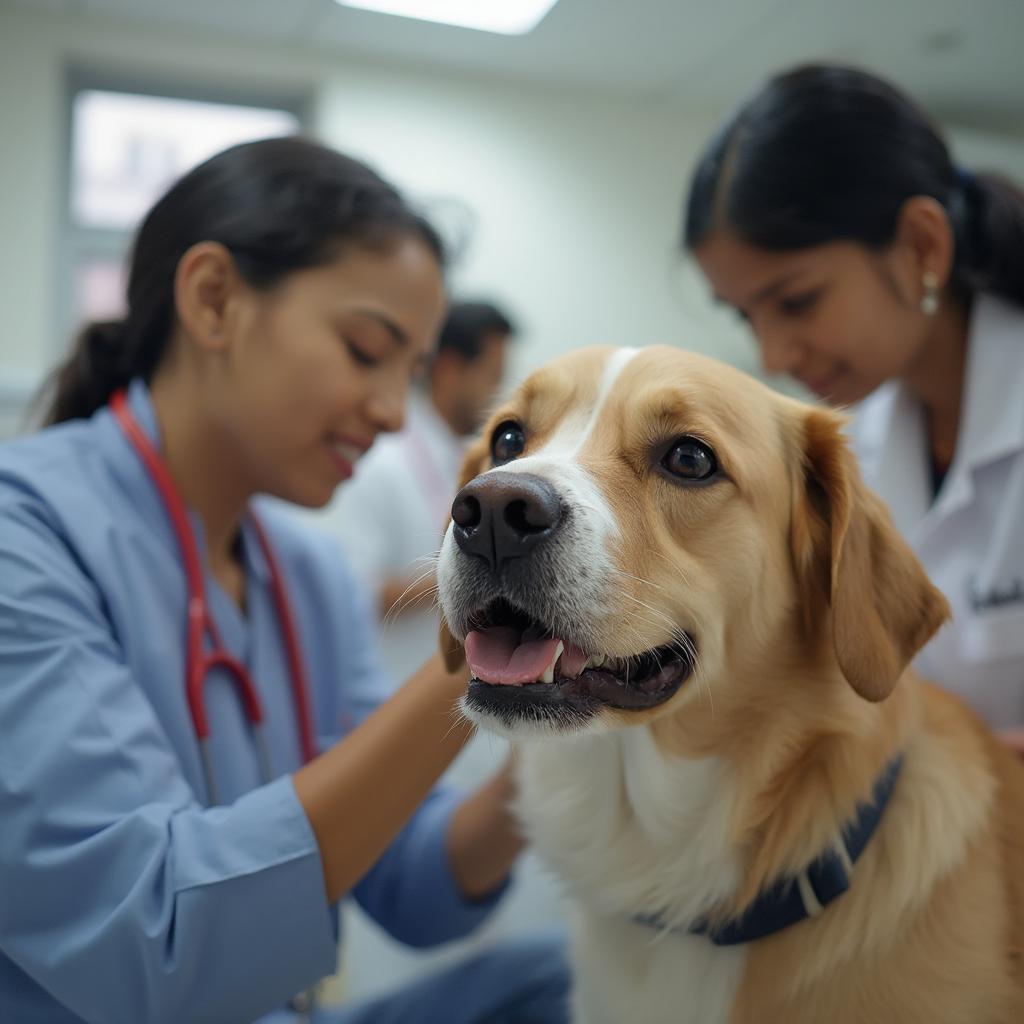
[516, 660]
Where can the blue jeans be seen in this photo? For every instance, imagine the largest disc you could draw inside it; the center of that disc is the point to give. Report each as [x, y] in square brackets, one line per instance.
[519, 981]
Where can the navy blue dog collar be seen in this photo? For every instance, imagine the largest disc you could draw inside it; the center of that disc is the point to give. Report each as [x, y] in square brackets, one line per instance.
[793, 899]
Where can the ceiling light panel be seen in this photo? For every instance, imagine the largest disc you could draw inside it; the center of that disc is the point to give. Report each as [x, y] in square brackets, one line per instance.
[508, 17]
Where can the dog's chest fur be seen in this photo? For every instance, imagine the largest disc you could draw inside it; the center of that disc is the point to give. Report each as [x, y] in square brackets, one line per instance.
[631, 832]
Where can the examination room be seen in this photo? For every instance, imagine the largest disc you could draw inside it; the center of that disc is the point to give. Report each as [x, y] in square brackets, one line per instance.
[511, 512]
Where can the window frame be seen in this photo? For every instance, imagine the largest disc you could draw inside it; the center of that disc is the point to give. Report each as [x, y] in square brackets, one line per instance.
[78, 243]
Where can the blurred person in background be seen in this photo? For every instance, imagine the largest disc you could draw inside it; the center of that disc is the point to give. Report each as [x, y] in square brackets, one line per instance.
[198, 759]
[828, 212]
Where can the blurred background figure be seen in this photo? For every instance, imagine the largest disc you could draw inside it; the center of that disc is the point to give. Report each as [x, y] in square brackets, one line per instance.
[391, 517]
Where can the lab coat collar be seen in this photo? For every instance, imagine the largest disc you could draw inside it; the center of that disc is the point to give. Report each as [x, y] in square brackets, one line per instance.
[893, 439]
[992, 412]
[144, 494]
[892, 446]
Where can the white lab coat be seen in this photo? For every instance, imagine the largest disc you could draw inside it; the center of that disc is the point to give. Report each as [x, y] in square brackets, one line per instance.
[971, 538]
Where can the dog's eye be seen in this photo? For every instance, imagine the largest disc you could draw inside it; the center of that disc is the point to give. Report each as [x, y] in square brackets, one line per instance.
[690, 459]
[508, 442]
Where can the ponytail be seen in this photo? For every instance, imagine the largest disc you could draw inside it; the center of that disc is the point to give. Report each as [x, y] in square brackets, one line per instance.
[95, 369]
[990, 237]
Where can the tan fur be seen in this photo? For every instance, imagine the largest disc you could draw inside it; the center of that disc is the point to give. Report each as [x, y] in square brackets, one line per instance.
[932, 929]
[808, 606]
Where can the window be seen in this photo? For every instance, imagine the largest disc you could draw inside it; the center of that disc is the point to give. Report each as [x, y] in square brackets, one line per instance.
[126, 148]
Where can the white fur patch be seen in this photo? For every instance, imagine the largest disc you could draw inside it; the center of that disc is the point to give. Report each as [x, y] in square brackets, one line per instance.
[632, 832]
[557, 462]
[629, 973]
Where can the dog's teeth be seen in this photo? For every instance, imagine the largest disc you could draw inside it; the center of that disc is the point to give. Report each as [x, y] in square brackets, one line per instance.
[548, 675]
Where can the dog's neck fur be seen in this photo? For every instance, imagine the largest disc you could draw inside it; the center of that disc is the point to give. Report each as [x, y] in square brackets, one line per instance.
[714, 823]
[630, 831]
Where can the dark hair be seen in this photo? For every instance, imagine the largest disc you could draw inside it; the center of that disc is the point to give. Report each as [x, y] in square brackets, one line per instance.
[277, 205]
[468, 326]
[824, 153]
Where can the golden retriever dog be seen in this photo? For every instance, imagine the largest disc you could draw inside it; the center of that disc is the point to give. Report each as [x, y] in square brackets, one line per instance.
[681, 603]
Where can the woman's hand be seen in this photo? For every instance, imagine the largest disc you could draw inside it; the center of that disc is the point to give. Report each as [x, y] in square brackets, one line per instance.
[360, 793]
[484, 838]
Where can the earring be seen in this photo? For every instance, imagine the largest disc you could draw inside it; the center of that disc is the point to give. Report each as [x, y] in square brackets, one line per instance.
[930, 299]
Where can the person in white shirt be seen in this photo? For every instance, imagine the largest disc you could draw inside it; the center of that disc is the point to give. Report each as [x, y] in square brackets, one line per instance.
[391, 517]
[828, 212]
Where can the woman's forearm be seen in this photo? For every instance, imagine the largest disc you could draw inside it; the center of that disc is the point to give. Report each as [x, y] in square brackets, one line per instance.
[360, 793]
[484, 838]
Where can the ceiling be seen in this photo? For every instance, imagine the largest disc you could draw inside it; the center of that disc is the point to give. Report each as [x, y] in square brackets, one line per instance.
[960, 57]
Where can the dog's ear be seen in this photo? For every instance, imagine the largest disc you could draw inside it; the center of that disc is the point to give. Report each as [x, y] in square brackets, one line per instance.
[475, 462]
[850, 559]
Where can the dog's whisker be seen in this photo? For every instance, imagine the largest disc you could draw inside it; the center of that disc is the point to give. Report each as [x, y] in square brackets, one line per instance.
[429, 596]
[677, 569]
[432, 559]
[400, 603]
[638, 579]
[662, 616]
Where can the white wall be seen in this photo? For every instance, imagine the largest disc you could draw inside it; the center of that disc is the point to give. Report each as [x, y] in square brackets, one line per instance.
[576, 198]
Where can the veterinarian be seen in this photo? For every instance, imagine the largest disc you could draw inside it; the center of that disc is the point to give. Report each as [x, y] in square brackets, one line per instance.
[828, 212]
[195, 763]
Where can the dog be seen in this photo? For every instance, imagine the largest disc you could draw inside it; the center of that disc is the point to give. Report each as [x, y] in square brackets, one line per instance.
[694, 621]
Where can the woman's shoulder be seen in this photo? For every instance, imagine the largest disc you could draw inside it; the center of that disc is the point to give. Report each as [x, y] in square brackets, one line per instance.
[62, 441]
[49, 463]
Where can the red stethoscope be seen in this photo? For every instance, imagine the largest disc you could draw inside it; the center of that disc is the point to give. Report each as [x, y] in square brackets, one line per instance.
[199, 663]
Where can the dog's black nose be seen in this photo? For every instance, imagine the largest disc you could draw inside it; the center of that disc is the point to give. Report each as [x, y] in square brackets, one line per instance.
[501, 516]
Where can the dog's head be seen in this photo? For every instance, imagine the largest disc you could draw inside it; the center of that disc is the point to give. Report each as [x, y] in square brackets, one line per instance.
[638, 529]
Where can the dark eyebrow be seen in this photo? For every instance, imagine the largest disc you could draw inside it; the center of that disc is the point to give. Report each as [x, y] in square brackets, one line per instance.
[766, 292]
[400, 337]
[771, 289]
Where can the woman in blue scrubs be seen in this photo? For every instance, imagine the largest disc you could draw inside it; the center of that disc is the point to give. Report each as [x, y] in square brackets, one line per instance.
[281, 297]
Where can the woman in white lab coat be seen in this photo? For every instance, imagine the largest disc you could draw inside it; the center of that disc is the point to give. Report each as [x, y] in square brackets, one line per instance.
[828, 212]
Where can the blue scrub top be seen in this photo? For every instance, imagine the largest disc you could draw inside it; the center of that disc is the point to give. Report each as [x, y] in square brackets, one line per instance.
[123, 897]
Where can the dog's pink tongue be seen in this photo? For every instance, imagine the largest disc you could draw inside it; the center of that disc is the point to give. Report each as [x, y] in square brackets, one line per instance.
[500, 655]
